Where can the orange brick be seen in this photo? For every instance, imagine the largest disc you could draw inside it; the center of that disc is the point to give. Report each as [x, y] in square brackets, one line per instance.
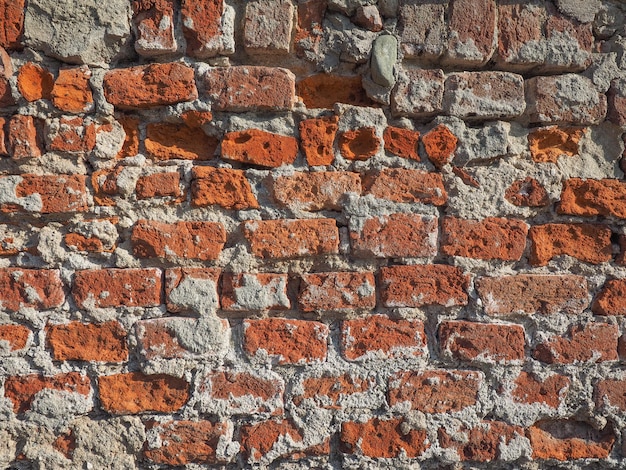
[382, 439]
[549, 143]
[331, 391]
[131, 140]
[202, 26]
[256, 147]
[569, 440]
[41, 289]
[440, 145]
[158, 185]
[34, 82]
[359, 144]
[550, 391]
[25, 139]
[337, 291]
[46, 194]
[594, 342]
[15, 337]
[12, 23]
[323, 190]
[166, 141]
[71, 135]
[154, 25]
[317, 137]
[223, 187]
[402, 142]
[77, 341]
[589, 197]
[527, 193]
[71, 91]
[324, 90]
[611, 300]
[403, 185]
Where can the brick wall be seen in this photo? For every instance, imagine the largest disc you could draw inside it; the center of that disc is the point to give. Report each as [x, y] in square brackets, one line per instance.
[312, 234]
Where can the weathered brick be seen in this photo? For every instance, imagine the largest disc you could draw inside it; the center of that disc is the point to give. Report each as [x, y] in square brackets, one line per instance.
[309, 30]
[13, 338]
[93, 236]
[418, 93]
[154, 25]
[254, 292]
[4, 150]
[131, 140]
[531, 389]
[610, 393]
[402, 142]
[594, 342]
[105, 185]
[482, 342]
[435, 391]
[423, 29]
[382, 439]
[490, 238]
[134, 392]
[324, 90]
[368, 17]
[147, 86]
[419, 285]
[611, 300]
[223, 187]
[267, 27]
[564, 99]
[527, 193]
[316, 139]
[117, 287]
[25, 139]
[191, 240]
[77, 341]
[569, 440]
[40, 289]
[66, 444]
[472, 35]
[320, 190]
[165, 141]
[45, 194]
[70, 134]
[359, 144]
[337, 291]
[250, 88]
[396, 235]
[547, 144]
[533, 293]
[485, 442]
[71, 91]
[202, 27]
[406, 185]
[261, 148]
[166, 184]
[286, 341]
[11, 23]
[588, 197]
[22, 390]
[484, 95]
[616, 101]
[586, 242]
[192, 290]
[292, 238]
[34, 82]
[379, 337]
[194, 118]
[440, 145]
[187, 442]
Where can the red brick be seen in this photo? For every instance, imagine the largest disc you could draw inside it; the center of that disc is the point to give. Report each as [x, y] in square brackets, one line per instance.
[105, 185]
[324, 90]
[187, 442]
[547, 144]
[586, 242]
[332, 391]
[134, 392]
[202, 27]
[13, 337]
[40, 289]
[117, 287]
[359, 144]
[405, 185]
[379, 337]
[490, 238]
[93, 236]
[224, 187]
[165, 184]
[184, 286]
[309, 30]
[34, 82]
[71, 135]
[189, 240]
[485, 442]
[194, 118]
[320, 190]
[6, 94]
[12, 23]
[25, 139]
[383, 439]
[66, 444]
[611, 300]
[482, 342]
[396, 235]
[79, 242]
[337, 291]
[527, 193]
[260, 148]
[617, 103]
[402, 142]
[368, 17]
[589, 197]
[435, 391]
[531, 389]
[165, 141]
[610, 393]
[440, 145]
[23, 390]
[131, 141]
[419, 285]
[472, 27]
[317, 137]
[154, 25]
[146, 86]
[250, 88]
[533, 293]
[292, 238]
[286, 341]
[71, 91]
[267, 27]
[46, 194]
[4, 150]
[594, 342]
[569, 440]
[245, 292]
[77, 341]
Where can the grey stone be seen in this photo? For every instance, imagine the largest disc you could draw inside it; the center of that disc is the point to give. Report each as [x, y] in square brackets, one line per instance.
[384, 57]
[418, 93]
[583, 10]
[388, 8]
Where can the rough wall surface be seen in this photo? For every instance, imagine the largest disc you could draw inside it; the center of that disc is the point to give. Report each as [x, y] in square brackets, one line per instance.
[312, 234]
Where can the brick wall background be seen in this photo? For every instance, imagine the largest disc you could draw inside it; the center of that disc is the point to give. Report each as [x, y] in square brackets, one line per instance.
[312, 234]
